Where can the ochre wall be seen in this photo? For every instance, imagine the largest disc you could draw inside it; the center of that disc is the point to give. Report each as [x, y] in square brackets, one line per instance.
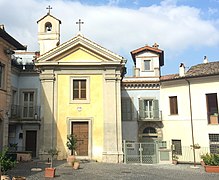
[92, 110]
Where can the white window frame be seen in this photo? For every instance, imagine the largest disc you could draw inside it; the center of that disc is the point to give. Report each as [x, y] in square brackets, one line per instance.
[79, 101]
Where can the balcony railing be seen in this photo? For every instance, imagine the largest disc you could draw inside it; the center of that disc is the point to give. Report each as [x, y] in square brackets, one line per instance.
[25, 113]
[150, 116]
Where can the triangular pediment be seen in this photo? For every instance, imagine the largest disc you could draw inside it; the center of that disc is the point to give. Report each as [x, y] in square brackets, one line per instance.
[81, 55]
[80, 50]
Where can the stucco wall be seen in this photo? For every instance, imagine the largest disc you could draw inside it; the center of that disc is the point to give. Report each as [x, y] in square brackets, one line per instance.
[179, 126]
[91, 111]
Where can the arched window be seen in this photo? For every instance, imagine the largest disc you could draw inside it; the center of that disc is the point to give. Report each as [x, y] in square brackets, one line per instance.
[48, 27]
[149, 130]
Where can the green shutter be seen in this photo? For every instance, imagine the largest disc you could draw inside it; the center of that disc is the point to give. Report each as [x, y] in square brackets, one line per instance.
[156, 109]
[141, 108]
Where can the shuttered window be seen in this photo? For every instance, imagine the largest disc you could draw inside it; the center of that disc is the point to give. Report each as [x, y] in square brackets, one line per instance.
[149, 109]
[127, 109]
[173, 105]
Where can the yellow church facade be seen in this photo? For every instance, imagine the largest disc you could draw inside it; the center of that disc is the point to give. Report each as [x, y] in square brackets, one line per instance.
[80, 95]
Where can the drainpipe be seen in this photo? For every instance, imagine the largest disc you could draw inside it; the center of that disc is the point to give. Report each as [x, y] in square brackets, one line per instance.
[117, 141]
[191, 119]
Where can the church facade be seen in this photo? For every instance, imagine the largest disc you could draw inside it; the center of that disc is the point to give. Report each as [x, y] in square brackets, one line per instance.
[80, 95]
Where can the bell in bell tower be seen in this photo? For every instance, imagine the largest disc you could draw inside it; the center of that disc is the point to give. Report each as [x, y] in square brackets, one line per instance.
[48, 32]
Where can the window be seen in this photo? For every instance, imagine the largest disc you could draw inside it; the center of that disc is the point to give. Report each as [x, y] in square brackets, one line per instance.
[147, 65]
[127, 109]
[214, 143]
[149, 130]
[14, 109]
[79, 90]
[176, 147]
[2, 69]
[149, 108]
[28, 104]
[12, 131]
[212, 108]
[173, 105]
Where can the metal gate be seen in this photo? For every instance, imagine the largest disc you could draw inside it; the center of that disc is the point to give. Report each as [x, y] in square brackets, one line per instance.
[143, 153]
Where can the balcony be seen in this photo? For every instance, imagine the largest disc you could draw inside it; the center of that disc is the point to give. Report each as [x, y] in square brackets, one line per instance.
[151, 116]
[21, 113]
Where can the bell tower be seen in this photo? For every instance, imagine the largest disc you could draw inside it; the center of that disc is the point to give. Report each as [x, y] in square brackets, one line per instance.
[48, 32]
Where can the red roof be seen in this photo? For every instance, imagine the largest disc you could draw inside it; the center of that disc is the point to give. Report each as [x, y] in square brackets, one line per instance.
[151, 49]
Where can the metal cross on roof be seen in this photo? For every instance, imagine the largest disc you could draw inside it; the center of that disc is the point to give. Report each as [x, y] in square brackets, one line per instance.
[49, 8]
[79, 24]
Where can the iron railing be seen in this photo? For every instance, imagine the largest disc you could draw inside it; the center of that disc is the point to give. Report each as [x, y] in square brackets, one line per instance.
[22, 112]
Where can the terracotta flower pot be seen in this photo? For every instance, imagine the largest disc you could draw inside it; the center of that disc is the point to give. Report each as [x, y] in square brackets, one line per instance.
[76, 165]
[213, 169]
[5, 177]
[50, 172]
[70, 159]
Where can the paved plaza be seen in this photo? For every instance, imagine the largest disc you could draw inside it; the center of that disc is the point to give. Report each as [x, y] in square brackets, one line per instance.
[106, 171]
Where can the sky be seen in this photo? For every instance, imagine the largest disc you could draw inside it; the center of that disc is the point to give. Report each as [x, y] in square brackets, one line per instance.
[186, 30]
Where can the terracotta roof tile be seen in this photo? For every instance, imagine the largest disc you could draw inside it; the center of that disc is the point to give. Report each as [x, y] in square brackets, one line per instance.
[199, 70]
[205, 69]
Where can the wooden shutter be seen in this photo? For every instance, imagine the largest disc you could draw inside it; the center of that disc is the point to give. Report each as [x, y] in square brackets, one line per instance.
[141, 108]
[155, 109]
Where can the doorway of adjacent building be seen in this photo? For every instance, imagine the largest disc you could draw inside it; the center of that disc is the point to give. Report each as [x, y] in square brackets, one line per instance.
[80, 130]
[31, 142]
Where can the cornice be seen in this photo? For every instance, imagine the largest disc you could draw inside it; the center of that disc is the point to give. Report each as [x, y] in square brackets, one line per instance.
[141, 85]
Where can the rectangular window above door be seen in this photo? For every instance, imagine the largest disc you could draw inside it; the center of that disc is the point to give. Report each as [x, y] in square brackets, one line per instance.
[28, 104]
[79, 90]
[149, 109]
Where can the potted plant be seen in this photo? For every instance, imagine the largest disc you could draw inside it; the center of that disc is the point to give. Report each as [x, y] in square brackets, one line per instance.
[175, 159]
[211, 162]
[6, 163]
[196, 146]
[50, 171]
[71, 145]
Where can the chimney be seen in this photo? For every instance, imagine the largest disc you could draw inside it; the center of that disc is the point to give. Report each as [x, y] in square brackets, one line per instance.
[181, 70]
[155, 46]
[2, 26]
[205, 59]
[136, 72]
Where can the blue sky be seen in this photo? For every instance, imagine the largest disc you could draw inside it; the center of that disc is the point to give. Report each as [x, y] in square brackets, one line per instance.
[187, 30]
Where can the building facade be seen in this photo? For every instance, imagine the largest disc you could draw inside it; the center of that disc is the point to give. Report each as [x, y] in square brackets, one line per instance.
[25, 112]
[80, 95]
[141, 116]
[7, 46]
[190, 110]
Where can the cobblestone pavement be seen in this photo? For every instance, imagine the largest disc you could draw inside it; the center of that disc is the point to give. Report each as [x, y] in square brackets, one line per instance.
[106, 171]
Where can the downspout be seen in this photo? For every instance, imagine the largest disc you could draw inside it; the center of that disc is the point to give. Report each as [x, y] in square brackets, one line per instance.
[117, 148]
[53, 119]
[191, 119]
